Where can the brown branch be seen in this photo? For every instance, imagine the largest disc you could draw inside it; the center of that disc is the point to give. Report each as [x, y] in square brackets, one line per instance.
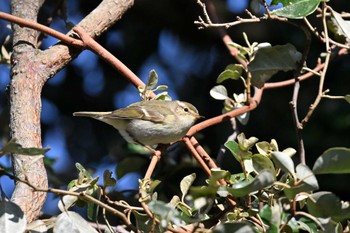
[294, 101]
[226, 116]
[42, 28]
[323, 74]
[289, 82]
[196, 155]
[86, 42]
[95, 47]
[197, 150]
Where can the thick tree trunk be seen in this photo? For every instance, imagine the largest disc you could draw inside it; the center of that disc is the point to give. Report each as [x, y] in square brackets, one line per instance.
[25, 90]
[30, 69]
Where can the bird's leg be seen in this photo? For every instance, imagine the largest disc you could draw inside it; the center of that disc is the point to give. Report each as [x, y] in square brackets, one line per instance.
[156, 156]
[162, 148]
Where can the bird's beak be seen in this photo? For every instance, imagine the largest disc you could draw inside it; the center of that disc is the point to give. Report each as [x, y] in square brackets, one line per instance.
[199, 117]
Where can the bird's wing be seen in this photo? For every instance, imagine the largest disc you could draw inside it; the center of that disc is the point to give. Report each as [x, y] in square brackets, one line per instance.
[137, 112]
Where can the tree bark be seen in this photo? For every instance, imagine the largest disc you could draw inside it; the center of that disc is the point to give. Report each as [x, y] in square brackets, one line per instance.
[25, 106]
[30, 69]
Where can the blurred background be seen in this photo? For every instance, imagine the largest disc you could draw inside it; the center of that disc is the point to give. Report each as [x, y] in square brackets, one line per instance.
[161, 35]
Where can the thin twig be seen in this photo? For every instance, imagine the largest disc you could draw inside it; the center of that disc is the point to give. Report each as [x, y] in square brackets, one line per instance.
[202, 24]
[77, 194]
[313, 218]
[267, 9]
[222, 32]
[289, 82]
[333, 97]
[294, 101]
[322, 38]
[323, 74]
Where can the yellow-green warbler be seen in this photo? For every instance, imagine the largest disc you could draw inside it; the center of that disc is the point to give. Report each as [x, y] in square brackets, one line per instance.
[150, 122]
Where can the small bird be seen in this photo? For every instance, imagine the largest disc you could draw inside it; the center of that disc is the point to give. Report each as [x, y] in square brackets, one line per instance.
[150, 122]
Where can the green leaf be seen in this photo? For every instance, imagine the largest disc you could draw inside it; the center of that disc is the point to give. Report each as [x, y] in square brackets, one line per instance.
[248, 165]
[276, 2]
[66, 202]
[12, 147]
[296, 9]
[263, 180]
[185, 209]
[212, 188]
[174, 201]
[326, 204]
[243, 118]
[340, 27]
[182, 206]
[240, 177]
[204, 191]
[333, 161]
[92, 208]
[347, 98]
[263, 148]
[242, 50]
[227, 74]
[163, 96]
[283, 161]
[11, 217]
[145, 224]
[236, 151]
[218, 174]
[165, 212]
[261, 162]
[272, 215]
[72, 221]
[108, 180]
[186, 183]
[161, 88]
[304, 224]
[266, 148]
[270, 60]
[305, 175]
[330, 226]
[132, 164]
[233, 71]
[219, 92]
[246, 144]
[239, 227]
[307, 182]
[83, 173]
[240, 99]
[37, 226]
[289, 151]
[154, 184]
[152, 80]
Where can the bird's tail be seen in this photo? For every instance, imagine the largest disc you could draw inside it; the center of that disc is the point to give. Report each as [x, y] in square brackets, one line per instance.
[90, 114]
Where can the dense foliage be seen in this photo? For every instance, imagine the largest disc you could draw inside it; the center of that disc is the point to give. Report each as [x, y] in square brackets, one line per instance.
[274, 184]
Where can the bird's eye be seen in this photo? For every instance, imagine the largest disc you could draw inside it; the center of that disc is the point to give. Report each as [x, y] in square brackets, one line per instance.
[186, 109]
